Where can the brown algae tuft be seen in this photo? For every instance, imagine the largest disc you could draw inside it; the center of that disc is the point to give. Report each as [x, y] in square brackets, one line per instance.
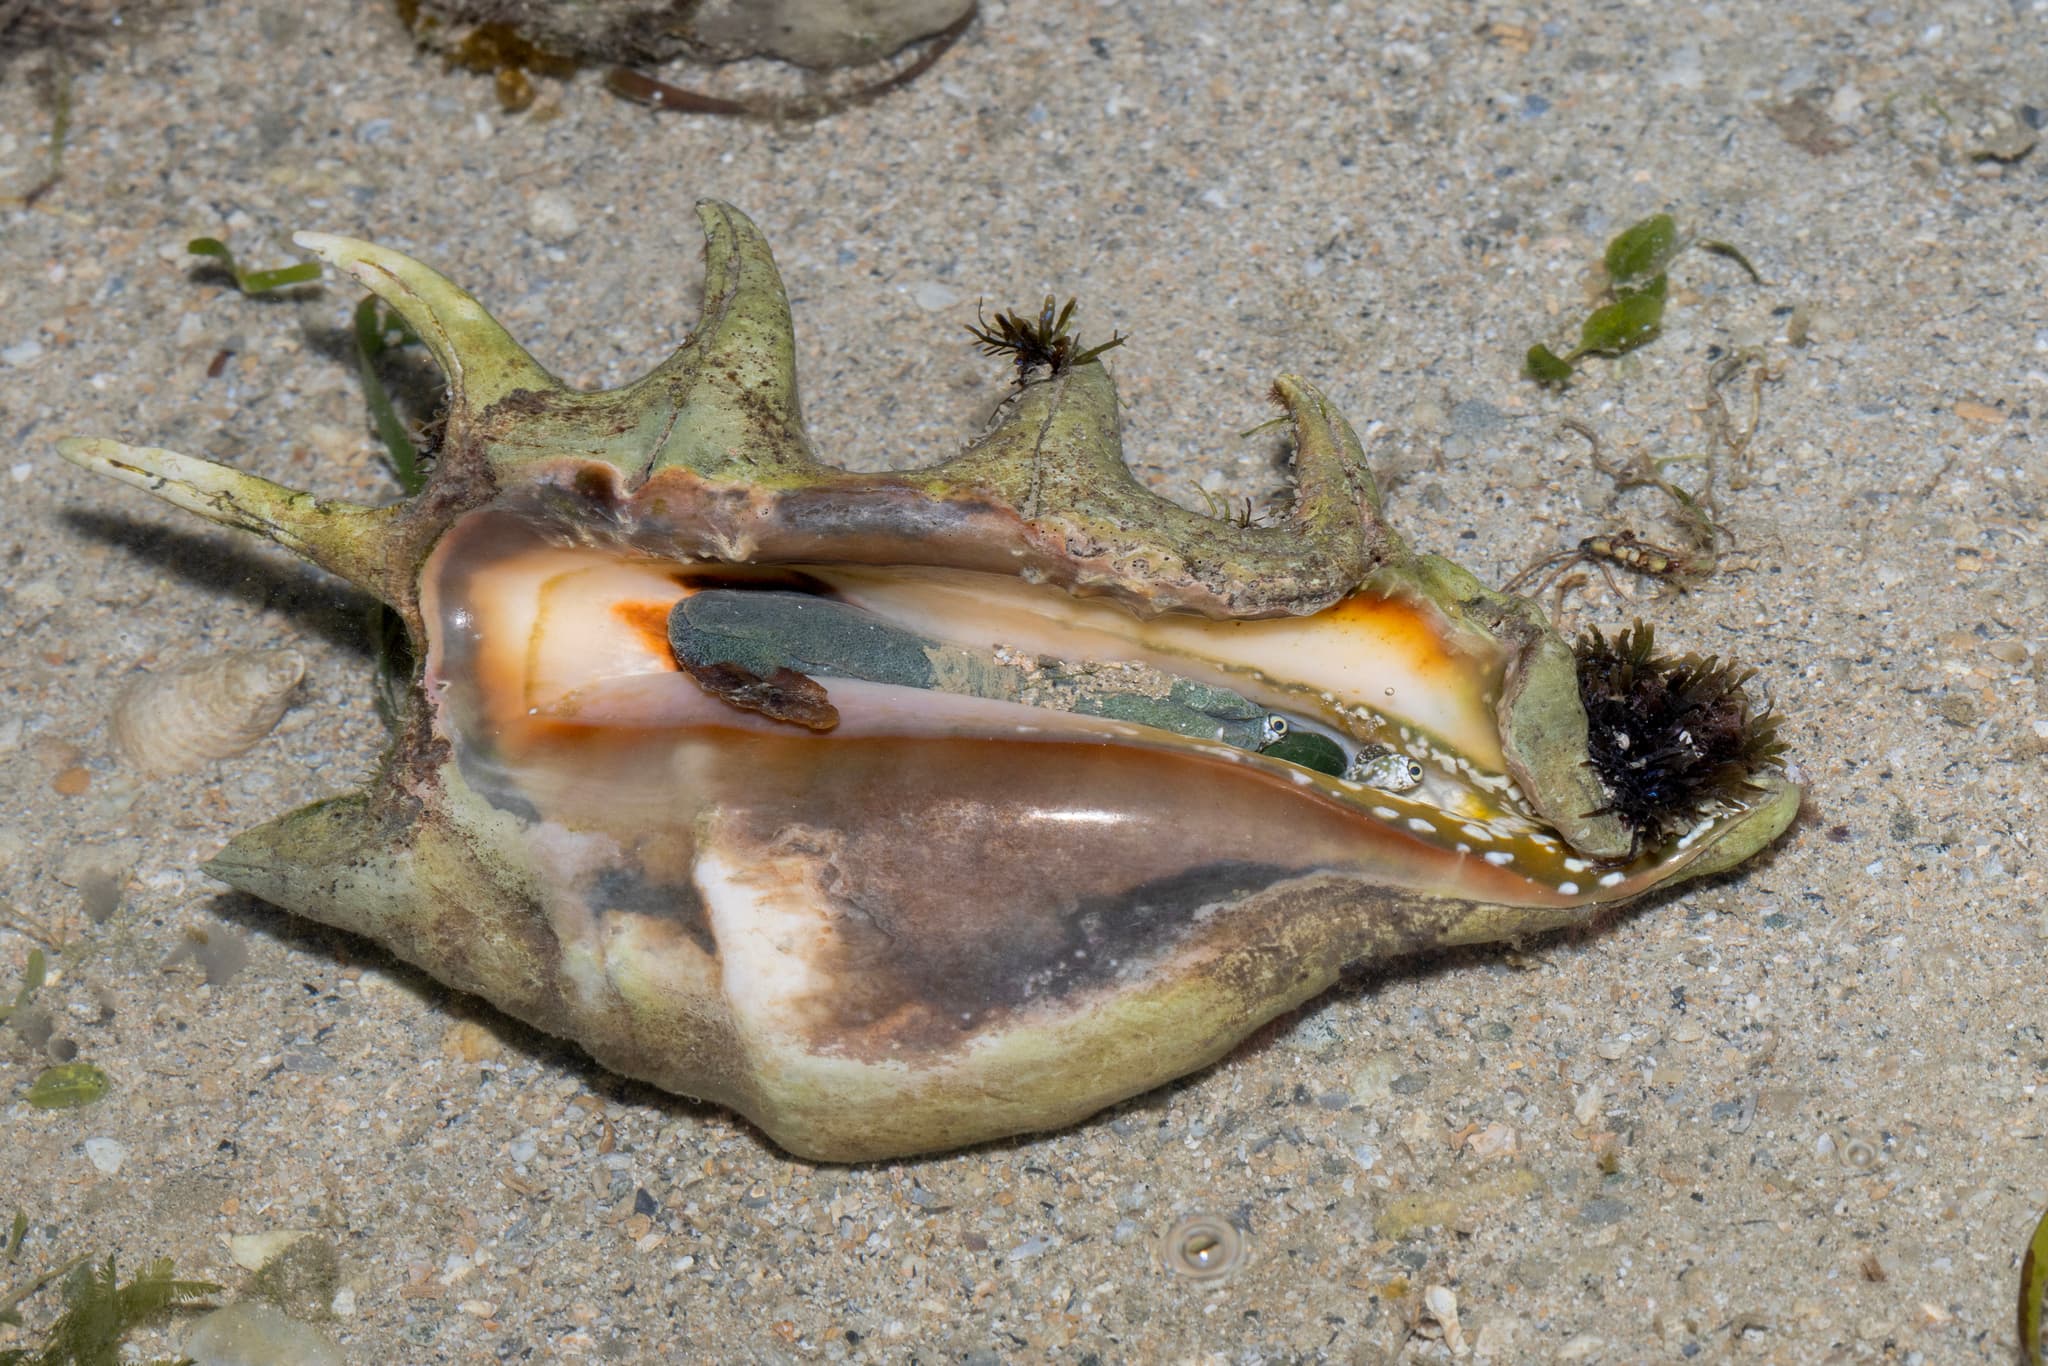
[1673, 737]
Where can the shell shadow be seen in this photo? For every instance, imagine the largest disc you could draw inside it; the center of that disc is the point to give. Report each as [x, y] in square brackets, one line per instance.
[413, 381]
[257, 918]
[317, 603]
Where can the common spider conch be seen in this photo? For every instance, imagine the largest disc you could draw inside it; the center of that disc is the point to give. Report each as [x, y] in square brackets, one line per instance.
[904, 811]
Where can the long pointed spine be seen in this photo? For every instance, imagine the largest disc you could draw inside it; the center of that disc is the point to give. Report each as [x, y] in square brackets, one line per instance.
[481, 361]
[347, 539]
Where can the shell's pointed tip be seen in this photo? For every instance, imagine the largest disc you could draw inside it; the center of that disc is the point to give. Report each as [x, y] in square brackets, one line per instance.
[1294, 392]
[93, 452]
[226, 861]
[255, 861]
[248, 871]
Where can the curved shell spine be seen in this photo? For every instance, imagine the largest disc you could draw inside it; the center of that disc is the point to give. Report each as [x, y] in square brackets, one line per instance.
[184, 718]
[1031, 858]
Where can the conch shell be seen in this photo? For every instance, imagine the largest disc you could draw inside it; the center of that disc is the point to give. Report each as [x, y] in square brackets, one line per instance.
[903, 811]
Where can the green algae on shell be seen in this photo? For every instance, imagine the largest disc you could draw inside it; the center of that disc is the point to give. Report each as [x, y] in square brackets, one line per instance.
[904, 811]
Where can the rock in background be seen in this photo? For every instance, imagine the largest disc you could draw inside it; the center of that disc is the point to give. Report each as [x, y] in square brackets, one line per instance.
[812, 33]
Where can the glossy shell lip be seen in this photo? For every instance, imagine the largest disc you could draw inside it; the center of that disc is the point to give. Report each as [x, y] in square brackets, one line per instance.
[994, 895]
[707, 459]
[545, 644]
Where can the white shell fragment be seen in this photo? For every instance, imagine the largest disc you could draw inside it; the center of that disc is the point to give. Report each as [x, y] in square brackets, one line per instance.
[214, 708]
[254, 1251]
[105, 1154]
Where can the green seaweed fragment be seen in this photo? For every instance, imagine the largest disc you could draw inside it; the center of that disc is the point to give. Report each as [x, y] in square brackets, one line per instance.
[16, 1235]
[377, 331]
[1733, 253]
[1636, 316]
[254, 281]
[1547, 367]
[67, 1086]
[32, 979]
[1642, 250]
[1632, 319]
[1636, 261]
[99, 1311]
[2033, 1290]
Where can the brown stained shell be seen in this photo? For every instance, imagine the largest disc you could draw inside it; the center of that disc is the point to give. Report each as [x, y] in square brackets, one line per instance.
[186, 717]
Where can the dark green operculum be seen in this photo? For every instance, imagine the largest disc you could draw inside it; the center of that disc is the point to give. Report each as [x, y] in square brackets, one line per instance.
[1310, 750]
[763, 631]
[766, 630]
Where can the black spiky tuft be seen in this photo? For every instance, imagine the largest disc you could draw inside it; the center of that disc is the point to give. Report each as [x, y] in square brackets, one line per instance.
[1047, 340]
[1670, 735]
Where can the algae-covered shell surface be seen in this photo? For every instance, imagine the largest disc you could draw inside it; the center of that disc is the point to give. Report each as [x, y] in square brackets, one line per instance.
[904, 811]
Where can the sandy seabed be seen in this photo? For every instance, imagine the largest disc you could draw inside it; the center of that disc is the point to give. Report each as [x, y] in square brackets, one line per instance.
[1793, 1115]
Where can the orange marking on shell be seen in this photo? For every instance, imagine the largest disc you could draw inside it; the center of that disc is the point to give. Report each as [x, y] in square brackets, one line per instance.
[1403, 628]
[649, 621]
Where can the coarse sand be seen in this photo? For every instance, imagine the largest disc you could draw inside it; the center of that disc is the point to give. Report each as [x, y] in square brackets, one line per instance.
[1792, 1115]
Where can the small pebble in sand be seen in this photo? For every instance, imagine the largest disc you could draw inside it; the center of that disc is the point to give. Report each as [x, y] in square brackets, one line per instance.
[553, 218]
[105, 1154]
[1442, 1304]
[1586, 1105]
[1495, 1140]
[252, 1251]
[469, 1041]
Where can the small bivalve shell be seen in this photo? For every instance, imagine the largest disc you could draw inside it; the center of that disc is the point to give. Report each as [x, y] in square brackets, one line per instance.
[214, 708]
